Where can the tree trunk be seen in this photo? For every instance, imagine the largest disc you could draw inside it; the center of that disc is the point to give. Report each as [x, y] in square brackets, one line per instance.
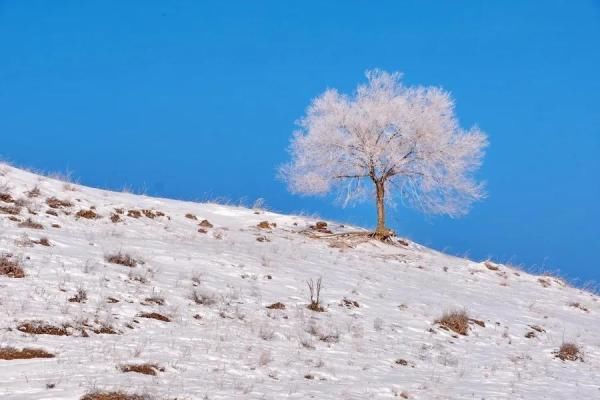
[381, 230]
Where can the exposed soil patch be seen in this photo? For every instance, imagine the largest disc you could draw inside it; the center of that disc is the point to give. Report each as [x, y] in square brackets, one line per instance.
[10, 353]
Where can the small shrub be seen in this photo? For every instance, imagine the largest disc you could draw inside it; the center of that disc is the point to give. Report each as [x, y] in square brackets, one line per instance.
[33, 193]
[569, 352]
[314, 289]
[491, 266]
[155, 315]
[203, 297]
[87, 214]
[191, 216]
[456, 321]
[52, 212]
[159, 301]
[579, 306]
[80, 296]
[266, 225]
[10, 353]
[53, 202]
[122, 259]
[10, 267]
[146, 369]
[152, 214]
[44, 241]
[29, 223]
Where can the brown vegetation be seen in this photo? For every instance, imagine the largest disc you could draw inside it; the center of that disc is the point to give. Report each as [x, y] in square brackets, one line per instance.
[35, 192]
[134, 214]
[205, 224]
[191, 216]
[53, 202]
[87, 214]
[456, 321]
[321, 226]
[10, 353]
[122, 259]
[29, 223]
[155, 315]
[569, 352]
[276, 306]
[10, 267]
[10, 210]
[266, 225]
[315, 293]
[6, 198]
[97, 395]
[146, 369]
[41, 328]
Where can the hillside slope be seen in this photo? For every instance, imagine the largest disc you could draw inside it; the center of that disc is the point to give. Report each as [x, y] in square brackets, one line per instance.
[377, 338]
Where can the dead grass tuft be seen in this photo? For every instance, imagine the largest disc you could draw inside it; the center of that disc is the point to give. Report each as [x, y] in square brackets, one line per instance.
[98, 395]
[266, 225]
[579, 306]
[205, 224]
[191, 216]
[159, 301]
[153, 214]
[80, 296]
[42, 328]
[29, 223]
[276, 306]
[34, 192]
[134, 214]
[10, 267]
[155, 315]
[87, 214]
[456, 321]
[6, 198]
[569, 352]
[10, 210]
[146, 369]
[53, 202]
[10, 353]
[122, 259]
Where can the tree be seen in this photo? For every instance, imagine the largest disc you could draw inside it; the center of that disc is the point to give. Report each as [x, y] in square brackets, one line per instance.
[401, 141]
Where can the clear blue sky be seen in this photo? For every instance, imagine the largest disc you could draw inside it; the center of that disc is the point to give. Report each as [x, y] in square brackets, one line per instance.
[192, 100]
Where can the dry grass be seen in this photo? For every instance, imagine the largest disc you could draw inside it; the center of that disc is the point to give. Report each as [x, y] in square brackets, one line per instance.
[159, 301]
[155, 315]
[98, 395]
[6, 198]
[33, 193]
[569, 352]
[276, 306]
[10, 210]
[29, 223]
[266, 225]
[10, 353]
[53, 202]
[87, 214]
[153, 214]
[80, 296]
[134, 214]
[314, 289]
[146, 369]
[122, 259]
[10, 267]
[41, 328]
[205, 224]
[456, 321]
[191, 216]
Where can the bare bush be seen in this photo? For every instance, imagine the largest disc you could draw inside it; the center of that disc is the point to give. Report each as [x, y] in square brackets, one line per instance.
[9, 266]
[569, 351]
[122, 259]
[10, 353]
[145, 369]
[456, 321]
[100, 395]
[315, 294]
[29, 223]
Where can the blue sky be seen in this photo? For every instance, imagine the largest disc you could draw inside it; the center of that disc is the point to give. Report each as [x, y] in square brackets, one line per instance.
[194, 100]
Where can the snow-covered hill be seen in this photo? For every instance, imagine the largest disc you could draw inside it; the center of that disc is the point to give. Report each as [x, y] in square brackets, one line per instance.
[210, 283]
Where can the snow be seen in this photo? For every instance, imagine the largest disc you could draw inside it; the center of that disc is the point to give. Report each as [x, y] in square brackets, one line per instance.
[239, 348]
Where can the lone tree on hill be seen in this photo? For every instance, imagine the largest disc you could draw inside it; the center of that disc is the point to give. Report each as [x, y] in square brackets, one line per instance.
[404, 140]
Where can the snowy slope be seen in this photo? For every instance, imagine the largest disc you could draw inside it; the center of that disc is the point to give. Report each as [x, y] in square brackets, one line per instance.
[232, 346]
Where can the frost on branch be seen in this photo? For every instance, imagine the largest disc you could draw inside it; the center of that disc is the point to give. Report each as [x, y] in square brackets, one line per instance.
[391, 138]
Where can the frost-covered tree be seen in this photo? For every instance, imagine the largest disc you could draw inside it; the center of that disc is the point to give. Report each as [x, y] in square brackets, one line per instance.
[402, 141]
